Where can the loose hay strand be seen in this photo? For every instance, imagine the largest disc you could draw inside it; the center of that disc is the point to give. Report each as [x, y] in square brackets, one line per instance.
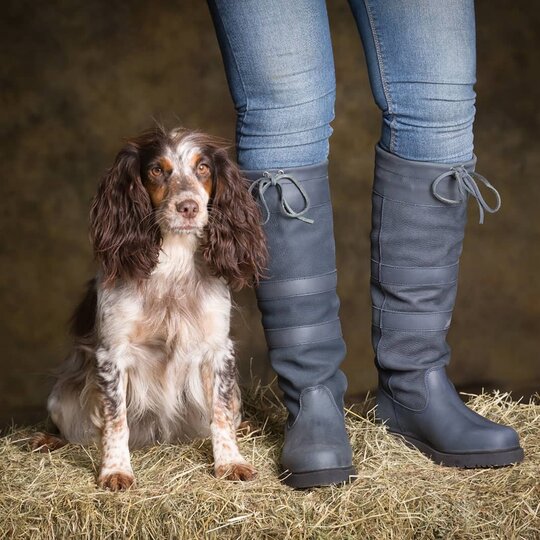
[398, 494]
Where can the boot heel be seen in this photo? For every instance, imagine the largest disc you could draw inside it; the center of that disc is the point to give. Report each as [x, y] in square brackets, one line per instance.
[316, 451]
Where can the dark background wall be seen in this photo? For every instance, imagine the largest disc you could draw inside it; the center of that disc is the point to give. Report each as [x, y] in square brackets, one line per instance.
[79, 76]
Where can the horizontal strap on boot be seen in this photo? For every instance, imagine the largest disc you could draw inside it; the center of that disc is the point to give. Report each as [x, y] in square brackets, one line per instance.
[411, 321]
[405, 275]
[299, 335]
[466, 184]
[271, 290]
[269, 179]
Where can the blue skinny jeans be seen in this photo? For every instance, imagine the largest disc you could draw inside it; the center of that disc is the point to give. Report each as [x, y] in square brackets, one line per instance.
[280, 69]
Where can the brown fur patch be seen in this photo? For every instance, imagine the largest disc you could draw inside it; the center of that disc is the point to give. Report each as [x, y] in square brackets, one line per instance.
[123, 230]
[45, 442]
[235, 247]
[207, 185]
[157, 193]
[117, 481]
[165, 164]
[236, 471]
[206, 181]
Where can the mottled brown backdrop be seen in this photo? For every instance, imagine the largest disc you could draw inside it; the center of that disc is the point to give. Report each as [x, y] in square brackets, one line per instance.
[79, 76]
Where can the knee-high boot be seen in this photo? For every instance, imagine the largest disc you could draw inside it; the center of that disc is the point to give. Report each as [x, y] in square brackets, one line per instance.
[418, 223]
[299, 307]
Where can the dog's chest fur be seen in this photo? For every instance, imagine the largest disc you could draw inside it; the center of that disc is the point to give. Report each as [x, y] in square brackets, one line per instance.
[174, 322]
[179, 305]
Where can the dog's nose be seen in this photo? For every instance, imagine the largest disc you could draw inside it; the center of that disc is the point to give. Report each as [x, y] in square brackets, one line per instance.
[187, 208]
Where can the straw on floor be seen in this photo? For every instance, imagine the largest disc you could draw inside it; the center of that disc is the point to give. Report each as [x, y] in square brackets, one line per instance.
[398, 494]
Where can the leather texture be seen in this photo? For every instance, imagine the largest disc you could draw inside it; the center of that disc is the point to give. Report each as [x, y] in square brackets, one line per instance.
[300, 315]
[317, 439]
[446, 423]
[416, 241]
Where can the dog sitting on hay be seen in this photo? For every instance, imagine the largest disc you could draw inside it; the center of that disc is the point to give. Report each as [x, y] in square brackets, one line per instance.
[173, 227]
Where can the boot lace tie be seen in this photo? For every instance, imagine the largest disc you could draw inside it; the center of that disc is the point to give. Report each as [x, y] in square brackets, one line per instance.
[466, 184]
[266, 181]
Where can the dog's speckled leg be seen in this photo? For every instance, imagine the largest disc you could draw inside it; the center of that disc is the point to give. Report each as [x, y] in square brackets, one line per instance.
[115, 471]
[228, 462]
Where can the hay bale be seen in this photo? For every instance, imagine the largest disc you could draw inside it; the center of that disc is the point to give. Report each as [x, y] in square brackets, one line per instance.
[399, 494]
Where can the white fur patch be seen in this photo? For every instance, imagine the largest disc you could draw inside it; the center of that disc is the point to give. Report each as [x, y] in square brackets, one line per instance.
[160, 334]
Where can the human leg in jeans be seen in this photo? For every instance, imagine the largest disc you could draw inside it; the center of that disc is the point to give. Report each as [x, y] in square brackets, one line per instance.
[279, 64]
[421, 61]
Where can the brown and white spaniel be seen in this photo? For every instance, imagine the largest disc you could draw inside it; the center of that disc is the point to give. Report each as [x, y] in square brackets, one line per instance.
[173, 228]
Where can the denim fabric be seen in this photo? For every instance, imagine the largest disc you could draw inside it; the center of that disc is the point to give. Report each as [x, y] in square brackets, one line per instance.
[279, 64]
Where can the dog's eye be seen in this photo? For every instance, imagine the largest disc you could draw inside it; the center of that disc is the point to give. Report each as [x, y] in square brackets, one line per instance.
[203, 169]
[156, 171]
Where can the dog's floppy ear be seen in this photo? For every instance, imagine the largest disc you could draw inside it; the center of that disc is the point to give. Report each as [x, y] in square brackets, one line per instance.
[123, 230]
[236, 246]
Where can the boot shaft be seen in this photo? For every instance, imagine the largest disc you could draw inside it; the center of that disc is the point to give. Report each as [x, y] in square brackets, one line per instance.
[298, 299]
[418, 224]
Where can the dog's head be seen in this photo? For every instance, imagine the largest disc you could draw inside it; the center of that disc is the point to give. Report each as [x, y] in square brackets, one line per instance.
[178, 182]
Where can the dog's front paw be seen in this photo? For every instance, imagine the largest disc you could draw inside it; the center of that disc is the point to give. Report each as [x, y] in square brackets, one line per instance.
[236, 471]
[116, 481]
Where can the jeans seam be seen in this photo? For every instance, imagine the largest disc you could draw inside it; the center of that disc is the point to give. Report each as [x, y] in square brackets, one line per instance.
[233, 54]
[384, 81]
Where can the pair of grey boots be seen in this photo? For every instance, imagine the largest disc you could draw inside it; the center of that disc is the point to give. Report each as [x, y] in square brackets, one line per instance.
[418, 223]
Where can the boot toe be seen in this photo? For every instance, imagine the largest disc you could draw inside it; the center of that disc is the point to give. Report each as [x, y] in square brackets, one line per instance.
[488, 438]
[500, 438]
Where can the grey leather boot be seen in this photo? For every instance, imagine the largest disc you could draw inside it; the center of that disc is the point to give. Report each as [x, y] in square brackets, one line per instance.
[418, 223]
[299, 307]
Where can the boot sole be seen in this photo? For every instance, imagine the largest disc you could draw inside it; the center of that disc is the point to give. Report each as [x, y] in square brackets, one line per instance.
[323, 477]
[471, 460]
